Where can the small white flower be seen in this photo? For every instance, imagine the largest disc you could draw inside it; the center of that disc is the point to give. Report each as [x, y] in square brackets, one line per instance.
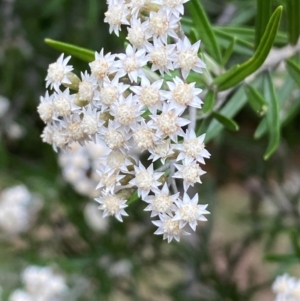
[137, 33]
[145, 179]
[63, 103]
[111, 204]
[75, 132]
[189, 212]
[116, 15]
[20, 295]
[161, 150]
[87, 90]
[161, 202]
[169, 228]
[182, 94]
[110, 92]
[187, 58]
[143, 136]
[161, 25]
[103, 65]
[190, 172]
[57, 73]
[126, 111]
[109, 179]
[168, 124]
[192, 147]
[149, 95]
[117, 161]
[136, 5]
[131, 63]
[173, 6]
[115, 137]
[282, 284]
[60, 137]
[161, 56]
[46, 107]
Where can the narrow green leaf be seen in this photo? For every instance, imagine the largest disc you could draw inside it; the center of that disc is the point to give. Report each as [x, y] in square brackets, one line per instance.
[228, 123]
[193, 35]
[209, 102]
[272, 115]
[284, 258]
[228, 51]
[204, 29]
[78, 52]
[293, 70]
[256, 100]
[238, 73]
[264, 9]
[293, 20]
[295, 242]
[231, 108]
[261, 129]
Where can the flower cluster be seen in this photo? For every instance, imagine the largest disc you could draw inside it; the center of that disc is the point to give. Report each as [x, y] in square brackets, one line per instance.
[123, 102]
[17, 209]
[40, 283]
[286, 288]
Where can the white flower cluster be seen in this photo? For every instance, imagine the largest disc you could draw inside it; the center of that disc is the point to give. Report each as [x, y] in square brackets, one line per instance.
[17, 209]
[122, 102]
[286, 288]
[40, 284]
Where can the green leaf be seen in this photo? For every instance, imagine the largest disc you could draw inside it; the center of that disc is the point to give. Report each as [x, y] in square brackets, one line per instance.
[295, 242]
[294, 70]
[256, 100]
[209, 102]
[264, 9]
[228, 51]
[232, 107]
[226, 121]
[239, 72]
[293, 20]
[291, 258]
[272, 115]
[204, 29]
[193, 35]
[78, 52]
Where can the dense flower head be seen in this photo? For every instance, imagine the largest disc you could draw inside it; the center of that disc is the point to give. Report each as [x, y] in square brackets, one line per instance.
[286, 288]
[124, 103]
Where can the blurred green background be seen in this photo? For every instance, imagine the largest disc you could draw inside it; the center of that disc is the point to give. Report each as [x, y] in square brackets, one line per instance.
[254, 203]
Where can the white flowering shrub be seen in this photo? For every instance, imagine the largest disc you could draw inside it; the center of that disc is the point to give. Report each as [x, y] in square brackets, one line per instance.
[122, 102]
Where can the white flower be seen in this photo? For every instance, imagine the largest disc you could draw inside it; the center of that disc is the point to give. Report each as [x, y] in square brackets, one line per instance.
[111, 204]
[46, 107]
[173, 6]
[149, 95]
[169, 228]
[161, 56]
[138, 34]
[131, 63]
[63, 103]
[116, 15]
[162, 150]
[75, 132]
[117, 161]
[136, 5]
[161, 25]
[192, 147]
[143, 136]
[109, 179]
[21, 295]
[182, 94]
[57, 73]
[103, 65]
[126, 111]
[161, 202]
[190, 172]
[189, 211]
[110, 92]
[187, 58]
[282, 284]
[94, 218]
[168, 124]
[145, 179]
[115, 137]
[87, 88]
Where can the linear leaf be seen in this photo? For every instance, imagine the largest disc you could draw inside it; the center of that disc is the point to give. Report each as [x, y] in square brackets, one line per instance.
[204, 29]
[272, 116]
[281, 258]
[256, 100]
[228, 123]
[78, 52]
[293, 20]
[293, 70]
[209, 102]
[228, 51]
[263, 14]
[239, 72]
